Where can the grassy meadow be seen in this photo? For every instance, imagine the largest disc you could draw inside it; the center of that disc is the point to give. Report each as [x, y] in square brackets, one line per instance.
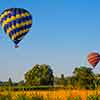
[56, 94]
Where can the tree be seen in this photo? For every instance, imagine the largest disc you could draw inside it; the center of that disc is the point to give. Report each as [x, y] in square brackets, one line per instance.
[98, 80]
[10, 83]
[40, 75]
[86, 78]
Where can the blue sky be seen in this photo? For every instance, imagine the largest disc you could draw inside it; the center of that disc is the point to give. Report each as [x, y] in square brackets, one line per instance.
[62, 34]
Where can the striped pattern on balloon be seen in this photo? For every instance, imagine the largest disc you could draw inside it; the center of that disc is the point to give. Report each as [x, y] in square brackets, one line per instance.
[93, 58]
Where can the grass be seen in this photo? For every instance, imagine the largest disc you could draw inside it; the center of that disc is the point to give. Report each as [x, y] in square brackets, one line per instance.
[61, 94]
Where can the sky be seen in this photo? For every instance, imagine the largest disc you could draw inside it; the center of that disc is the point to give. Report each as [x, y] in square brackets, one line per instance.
[63, 33]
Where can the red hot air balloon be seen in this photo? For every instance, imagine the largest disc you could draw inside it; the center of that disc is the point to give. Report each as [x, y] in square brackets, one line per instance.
[94, 58]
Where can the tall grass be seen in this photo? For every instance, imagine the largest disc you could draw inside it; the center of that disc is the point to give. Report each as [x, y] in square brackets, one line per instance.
[74, 98]
[27, 95]
[24, 97]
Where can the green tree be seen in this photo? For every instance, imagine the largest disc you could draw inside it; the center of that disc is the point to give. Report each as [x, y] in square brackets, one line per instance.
[85, 76]
[40, 75]
[98, 80]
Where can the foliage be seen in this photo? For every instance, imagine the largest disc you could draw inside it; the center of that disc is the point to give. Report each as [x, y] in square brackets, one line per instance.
[40, 75]
[93, 97]
[82, 78]
[31, 88]
[85, 77]
[22, 97]
[10, 83]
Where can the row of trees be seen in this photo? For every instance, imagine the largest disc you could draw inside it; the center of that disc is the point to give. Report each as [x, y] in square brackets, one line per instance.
[83, 77]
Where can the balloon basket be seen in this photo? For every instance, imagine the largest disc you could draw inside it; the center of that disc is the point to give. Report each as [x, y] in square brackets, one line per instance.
[16, 46]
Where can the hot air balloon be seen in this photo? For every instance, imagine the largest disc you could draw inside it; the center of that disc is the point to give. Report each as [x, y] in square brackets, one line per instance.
[94, 58]
[16, 23]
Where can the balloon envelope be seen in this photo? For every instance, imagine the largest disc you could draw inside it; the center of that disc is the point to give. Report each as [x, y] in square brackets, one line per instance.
[16, 23]
[93, 58]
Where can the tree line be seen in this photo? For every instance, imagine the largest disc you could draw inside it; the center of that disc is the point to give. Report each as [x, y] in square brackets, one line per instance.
[42, 75]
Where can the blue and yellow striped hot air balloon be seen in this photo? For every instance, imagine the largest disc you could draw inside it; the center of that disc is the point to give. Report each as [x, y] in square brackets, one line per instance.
[16, 23]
